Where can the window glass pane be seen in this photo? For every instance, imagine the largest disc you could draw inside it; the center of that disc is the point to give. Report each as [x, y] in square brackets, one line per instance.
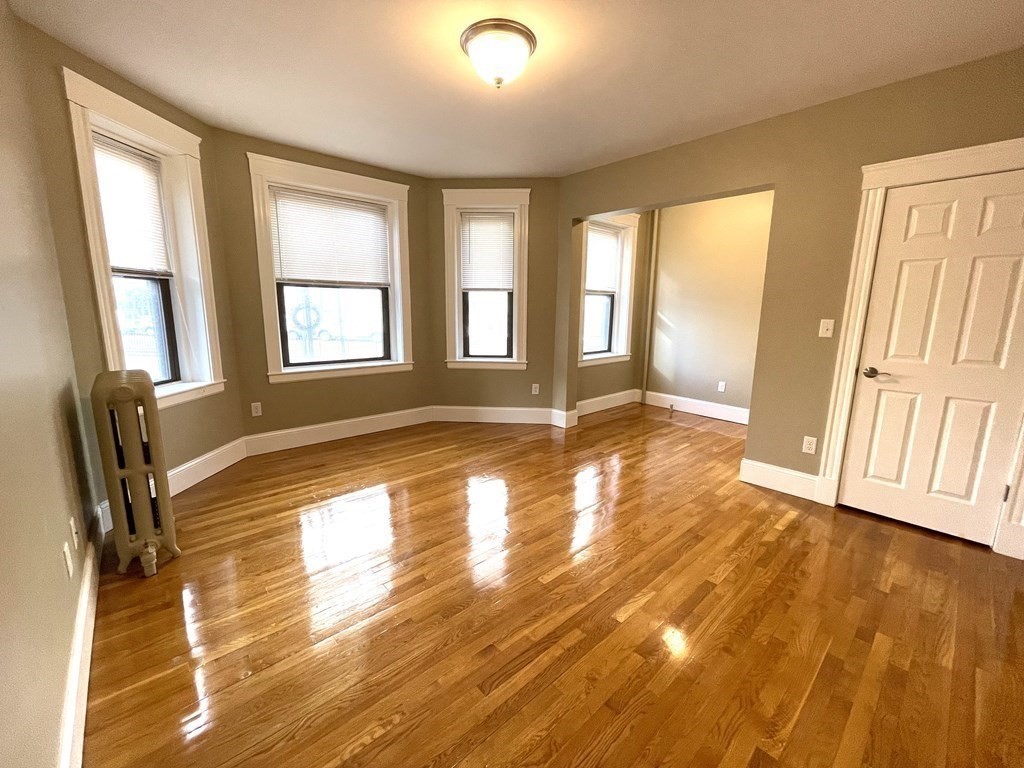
[597, 318]
[322, 238]
[132, 206]
[603, 257]
[144, 326]
[487, 314]
[330, 324]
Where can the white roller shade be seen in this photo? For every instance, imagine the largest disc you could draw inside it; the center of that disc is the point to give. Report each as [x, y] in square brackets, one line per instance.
[603, 257]
[487, 245]
[322, 238]
[132, 206]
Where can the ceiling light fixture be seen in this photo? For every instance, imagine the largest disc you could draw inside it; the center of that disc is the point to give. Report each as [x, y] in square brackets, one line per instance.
[499, 49]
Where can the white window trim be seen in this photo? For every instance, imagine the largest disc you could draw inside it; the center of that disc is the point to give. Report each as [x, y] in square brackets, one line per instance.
[95, 109]
[267, 171]
[516, 201]
[622, 332]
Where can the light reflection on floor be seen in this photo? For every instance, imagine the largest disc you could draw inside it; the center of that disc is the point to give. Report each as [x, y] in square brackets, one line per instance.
[487, 525]
[346, 547]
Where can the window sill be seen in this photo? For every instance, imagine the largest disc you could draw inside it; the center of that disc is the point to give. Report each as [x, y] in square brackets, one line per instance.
[186, 391]
[489, 364]
[602, 359]
[308, 372]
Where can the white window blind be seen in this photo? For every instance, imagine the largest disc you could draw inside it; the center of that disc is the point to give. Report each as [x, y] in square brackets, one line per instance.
[487, 250]
[132, 206]
[322, 238]
[603, 257]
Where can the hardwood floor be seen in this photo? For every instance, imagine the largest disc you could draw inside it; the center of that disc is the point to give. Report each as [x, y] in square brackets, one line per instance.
[508, 595]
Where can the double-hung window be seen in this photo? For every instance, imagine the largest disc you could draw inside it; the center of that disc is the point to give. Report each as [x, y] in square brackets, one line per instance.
[485, 243]
[332, 270]
[609, 255]
[146, 220]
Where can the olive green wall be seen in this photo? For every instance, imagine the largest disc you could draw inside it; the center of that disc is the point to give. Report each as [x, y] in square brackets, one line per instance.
[490, 387]
[609, 378]
[707, 306]
[812, 159]
[43, 479]
[190, 429]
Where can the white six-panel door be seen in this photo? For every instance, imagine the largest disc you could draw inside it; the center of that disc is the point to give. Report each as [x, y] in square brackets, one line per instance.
[933, 435]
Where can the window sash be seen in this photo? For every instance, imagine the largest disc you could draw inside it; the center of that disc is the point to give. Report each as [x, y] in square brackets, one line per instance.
[466, 329]
[282, 318]
[163, 282]
[610, 330]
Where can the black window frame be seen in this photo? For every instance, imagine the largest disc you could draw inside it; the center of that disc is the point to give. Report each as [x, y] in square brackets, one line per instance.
[611, 321]
[465, 324]
[283, 323]
[163, 281]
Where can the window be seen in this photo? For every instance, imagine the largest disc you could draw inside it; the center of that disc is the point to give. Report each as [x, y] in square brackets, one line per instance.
[133, 221]
[142, 194]
[332, 268]
[607, 286]
[485, 243]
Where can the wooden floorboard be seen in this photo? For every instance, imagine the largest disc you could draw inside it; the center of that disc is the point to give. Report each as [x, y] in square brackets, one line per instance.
[511, 595]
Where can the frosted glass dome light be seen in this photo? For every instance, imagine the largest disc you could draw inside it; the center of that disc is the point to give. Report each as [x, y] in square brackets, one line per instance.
[498, 49]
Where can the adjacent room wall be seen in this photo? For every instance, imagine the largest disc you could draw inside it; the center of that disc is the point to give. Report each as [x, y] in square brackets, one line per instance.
[812, 159]
[43, 482]
[190, 429]
[707, 308]
[609, 378]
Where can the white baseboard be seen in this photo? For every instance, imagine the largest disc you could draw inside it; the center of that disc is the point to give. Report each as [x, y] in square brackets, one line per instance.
[604, 402]
[202, 467]
[565, 419]
[76, 692]
[296, 437]
[700, 407]
[779, 479]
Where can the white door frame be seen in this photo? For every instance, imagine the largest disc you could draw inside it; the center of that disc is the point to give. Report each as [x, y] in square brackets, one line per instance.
[878, 179]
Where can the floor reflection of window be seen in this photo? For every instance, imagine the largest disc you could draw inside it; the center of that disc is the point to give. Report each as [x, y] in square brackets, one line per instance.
[488, 527]
[346, 546]
[587, 483]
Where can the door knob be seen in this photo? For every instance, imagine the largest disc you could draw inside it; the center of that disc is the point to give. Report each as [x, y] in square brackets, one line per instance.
[871, 372]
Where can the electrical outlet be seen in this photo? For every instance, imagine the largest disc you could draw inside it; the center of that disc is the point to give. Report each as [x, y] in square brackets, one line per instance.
[826, 328]
[810, 444]
[535, 389]
[69, 562]
[73, 525]
[257, 409]
[721, 386]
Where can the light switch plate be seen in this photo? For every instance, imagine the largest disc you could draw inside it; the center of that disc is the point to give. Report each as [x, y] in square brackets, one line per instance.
[826, 328]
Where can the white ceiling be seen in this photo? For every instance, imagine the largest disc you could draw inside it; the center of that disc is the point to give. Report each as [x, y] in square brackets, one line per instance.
[385, 82]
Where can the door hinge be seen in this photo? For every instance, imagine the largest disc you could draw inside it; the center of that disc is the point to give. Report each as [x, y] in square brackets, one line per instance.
[1006, 494]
